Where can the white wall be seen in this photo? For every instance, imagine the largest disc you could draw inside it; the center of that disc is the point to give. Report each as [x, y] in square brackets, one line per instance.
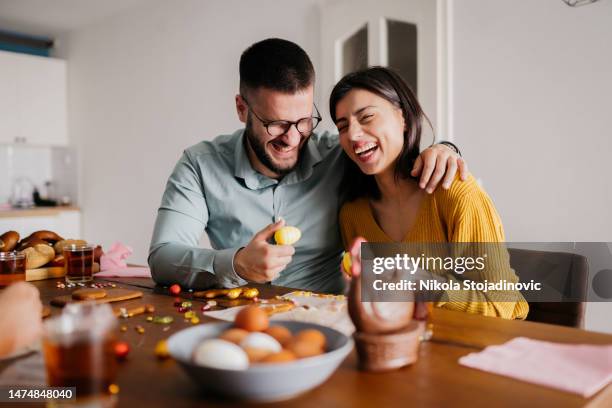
[149, 82]
[531, 111]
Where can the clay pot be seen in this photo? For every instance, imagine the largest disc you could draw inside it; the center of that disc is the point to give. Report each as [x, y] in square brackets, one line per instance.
[390, 351]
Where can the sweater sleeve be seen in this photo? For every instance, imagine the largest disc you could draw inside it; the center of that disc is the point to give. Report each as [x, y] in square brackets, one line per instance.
[472, 218]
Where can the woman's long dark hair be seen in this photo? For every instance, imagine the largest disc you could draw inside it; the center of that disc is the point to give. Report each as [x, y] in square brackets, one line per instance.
[389, 85]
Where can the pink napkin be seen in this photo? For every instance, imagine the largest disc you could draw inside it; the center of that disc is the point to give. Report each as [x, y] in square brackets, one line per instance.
[578, 368]
[112, 264]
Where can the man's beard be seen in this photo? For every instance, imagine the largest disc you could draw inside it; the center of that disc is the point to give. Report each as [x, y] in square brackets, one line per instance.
[263, 156]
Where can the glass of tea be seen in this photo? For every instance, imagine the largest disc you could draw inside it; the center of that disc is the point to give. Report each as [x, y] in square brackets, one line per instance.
[12, 268]
[78, 262]
[78, 347]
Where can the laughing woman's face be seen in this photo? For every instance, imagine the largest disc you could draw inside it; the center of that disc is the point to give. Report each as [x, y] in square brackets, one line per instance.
[371, 130]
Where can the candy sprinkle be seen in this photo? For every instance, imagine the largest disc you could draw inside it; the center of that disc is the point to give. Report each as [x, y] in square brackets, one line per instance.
[195, 320]
[139, 329]
[161, 350]
[113, 389]
[122, 349]
[163, 319]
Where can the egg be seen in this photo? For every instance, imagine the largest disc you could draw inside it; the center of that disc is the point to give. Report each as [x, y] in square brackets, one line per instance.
[347, 263]
[234, 335]
[221, 354]
[261, 341]
[313, 336]
[256, 354]
[280, 333]
[252, 318]
[282, 356]
[303, 348]
[287, 235]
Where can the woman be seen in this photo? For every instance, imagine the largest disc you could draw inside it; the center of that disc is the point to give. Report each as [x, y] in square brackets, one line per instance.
[380, 121]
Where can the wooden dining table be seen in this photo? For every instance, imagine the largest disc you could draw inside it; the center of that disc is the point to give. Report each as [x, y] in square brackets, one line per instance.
[435, 380]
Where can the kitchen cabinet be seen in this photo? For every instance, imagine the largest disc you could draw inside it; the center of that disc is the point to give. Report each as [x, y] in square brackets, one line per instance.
[66, 222]
[33, 102]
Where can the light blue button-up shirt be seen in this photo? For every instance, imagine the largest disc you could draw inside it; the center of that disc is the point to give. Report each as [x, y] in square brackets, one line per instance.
[214, 188]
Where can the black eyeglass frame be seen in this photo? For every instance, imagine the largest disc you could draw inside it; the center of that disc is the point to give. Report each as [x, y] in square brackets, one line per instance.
[286, 123]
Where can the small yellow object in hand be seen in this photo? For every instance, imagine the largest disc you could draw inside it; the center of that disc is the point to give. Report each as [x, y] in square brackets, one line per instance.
[347, 263]
[287, 235]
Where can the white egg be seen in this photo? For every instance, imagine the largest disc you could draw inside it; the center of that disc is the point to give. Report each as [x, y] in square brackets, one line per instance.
[261, 341]
[220, 354]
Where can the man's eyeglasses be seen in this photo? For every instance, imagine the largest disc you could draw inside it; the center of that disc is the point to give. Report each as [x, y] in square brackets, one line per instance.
[276, 128]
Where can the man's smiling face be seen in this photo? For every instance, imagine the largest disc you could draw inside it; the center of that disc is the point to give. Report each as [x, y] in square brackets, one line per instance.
[274, 156]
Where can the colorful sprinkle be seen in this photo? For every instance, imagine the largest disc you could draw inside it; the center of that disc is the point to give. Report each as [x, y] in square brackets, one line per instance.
[163, 319]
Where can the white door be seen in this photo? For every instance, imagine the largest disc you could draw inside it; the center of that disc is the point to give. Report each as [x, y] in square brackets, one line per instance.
[407, 35]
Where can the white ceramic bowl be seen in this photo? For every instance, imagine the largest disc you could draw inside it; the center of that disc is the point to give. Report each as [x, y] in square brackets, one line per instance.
[260, 382]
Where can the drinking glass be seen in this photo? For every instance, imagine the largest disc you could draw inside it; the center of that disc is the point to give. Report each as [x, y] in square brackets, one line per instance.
[78, 262]
[78, 347]
[12, 268]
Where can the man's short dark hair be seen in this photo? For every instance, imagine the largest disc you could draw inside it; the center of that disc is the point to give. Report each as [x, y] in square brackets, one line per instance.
[275, 64]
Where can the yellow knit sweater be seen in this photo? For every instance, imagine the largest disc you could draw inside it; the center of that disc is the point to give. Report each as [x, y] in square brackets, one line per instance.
[464, 213]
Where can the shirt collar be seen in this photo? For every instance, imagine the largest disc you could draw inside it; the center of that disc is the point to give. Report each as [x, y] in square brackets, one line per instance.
[255, 180]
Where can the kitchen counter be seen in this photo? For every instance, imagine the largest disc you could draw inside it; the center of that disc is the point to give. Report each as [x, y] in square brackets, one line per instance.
[35, 212]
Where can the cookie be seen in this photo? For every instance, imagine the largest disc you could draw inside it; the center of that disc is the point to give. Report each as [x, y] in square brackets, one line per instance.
[88, 294]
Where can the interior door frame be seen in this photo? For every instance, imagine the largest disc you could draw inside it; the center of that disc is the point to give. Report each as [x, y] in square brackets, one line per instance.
[439, 110]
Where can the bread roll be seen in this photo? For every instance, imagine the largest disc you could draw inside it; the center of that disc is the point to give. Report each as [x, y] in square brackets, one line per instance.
[38, 255]
[8, 241]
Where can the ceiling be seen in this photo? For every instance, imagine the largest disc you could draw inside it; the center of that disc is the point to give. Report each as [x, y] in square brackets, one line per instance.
[53, 17]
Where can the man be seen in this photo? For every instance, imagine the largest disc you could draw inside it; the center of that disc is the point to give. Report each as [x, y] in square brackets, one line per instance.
[241, 188]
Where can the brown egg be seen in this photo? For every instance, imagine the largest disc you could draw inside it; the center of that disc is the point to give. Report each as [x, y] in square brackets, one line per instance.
[280, 333]
[303, 348]
[252, 318]
[234, 335]
[313, 336]
[282, 356]
[256, 354]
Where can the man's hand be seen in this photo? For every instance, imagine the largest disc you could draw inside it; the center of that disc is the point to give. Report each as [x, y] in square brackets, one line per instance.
[437, 163]
[261, 261]
[21, 323]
